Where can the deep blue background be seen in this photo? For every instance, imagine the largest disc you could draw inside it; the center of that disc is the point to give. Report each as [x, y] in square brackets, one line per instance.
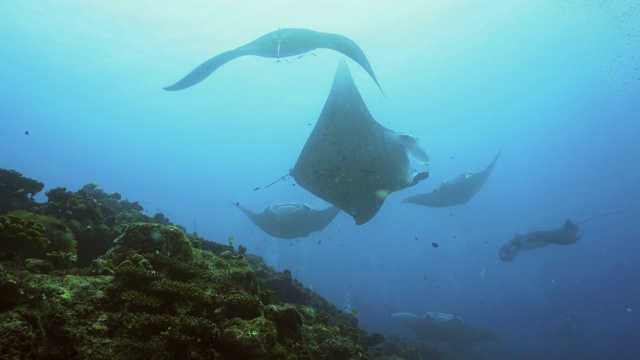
[554, 84]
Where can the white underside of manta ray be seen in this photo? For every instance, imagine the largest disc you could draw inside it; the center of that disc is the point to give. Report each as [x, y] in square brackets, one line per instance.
[291, 220]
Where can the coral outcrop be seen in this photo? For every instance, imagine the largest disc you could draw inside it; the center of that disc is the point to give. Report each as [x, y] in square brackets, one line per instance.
[143, 288]
[17, 191]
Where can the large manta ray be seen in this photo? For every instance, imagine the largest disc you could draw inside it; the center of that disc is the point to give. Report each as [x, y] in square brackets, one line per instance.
[568, 234]
[445, 328]
[456, 191]
[350, 160]
[292, 220]
[278, 44]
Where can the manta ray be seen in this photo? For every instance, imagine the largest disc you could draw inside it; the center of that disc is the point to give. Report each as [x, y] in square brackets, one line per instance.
[457, 190]
[291, 220]
[279, 44]
[445, 328]
[350, 160]
[566, 235]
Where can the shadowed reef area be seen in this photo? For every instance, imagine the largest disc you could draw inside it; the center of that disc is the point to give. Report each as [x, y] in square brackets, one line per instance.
[86, 275]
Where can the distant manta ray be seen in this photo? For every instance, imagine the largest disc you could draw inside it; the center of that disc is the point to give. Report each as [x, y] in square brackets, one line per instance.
[568, 234]
[445, 328]
[278, 44]
[291, 220]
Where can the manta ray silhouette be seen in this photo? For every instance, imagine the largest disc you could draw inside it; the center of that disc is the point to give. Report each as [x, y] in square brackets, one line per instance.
[445, 328]
[457, 190]
[279, 44]
[566, 235]
[350, 160]
[291, 220]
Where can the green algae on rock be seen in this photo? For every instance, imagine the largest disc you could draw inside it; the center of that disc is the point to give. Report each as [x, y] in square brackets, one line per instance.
[209, 308]
[24, 234]
[159, 293]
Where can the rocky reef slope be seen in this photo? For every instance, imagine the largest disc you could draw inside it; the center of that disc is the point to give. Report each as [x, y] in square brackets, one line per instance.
[86, 275]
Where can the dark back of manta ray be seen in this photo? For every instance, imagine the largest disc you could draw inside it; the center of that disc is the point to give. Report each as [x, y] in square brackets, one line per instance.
[346, 160]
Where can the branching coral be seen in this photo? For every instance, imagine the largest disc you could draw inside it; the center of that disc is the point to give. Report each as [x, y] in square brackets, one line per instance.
[174, 269]
[239, 304]
[175, 291]
[139, 301]
[25, 234]
[19, 236]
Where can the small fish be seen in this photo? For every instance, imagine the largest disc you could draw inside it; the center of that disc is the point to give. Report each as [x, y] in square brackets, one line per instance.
[435, 244]
[425, 277]
[415, 238]
[26, 132]
[355, 311]
[19, 191]
[319, 241]
[231, 240]
[450, 214]
[453, 157]
[258, 188]
[454, 236]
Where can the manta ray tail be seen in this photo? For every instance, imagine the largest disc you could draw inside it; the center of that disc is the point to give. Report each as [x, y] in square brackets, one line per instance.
[598, 216]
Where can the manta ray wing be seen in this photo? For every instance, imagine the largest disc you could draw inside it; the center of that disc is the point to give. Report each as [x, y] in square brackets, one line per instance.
[205, 69]
[350, 160]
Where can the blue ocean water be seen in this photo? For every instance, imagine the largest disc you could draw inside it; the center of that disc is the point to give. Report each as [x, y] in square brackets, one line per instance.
[554, 84]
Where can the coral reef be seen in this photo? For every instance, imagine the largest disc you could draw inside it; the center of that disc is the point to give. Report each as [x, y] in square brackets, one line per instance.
[95, 217]
[144, 289]
[17, 191]
[19, 237]
[28, 235]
